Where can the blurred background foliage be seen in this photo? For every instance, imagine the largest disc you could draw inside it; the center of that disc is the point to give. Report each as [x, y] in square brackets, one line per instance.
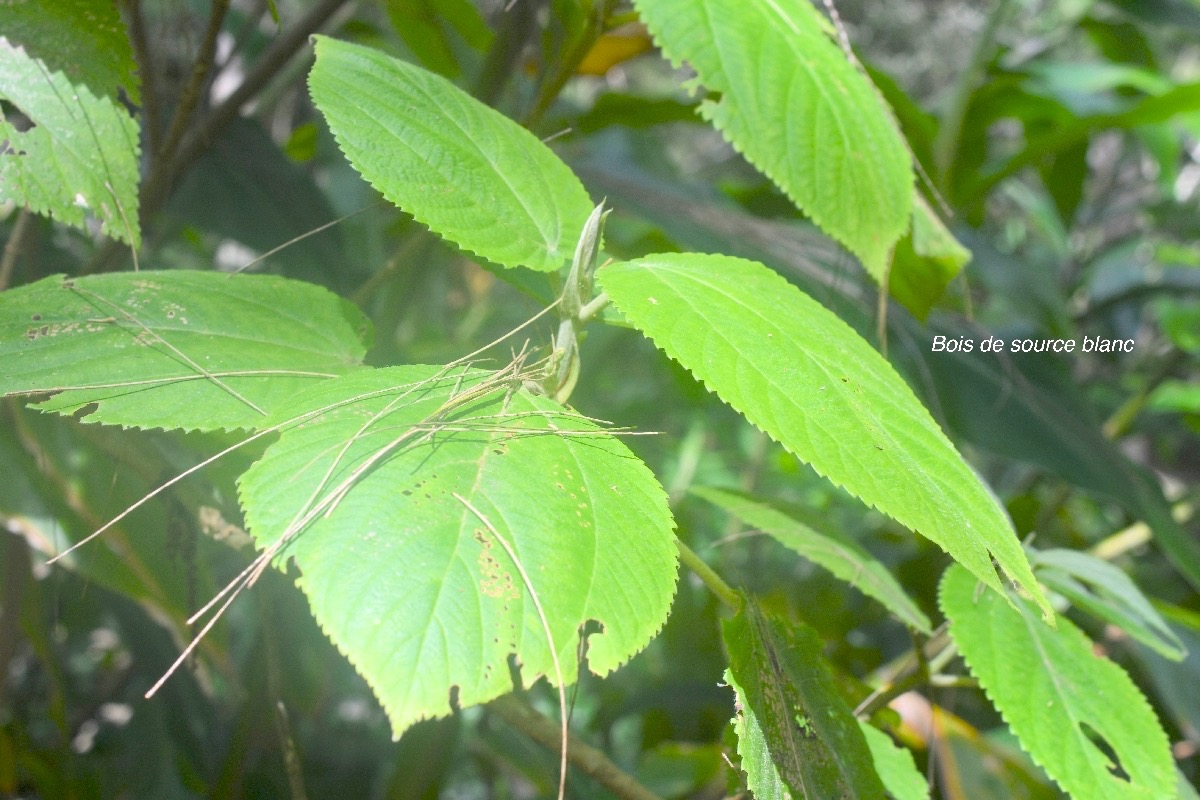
[1061, 138]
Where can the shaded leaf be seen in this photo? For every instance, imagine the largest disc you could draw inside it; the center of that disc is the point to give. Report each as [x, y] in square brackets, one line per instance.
[471, 174]
[414, 587]
[831, 549]
[798, 110]
[802, 375]
[1057, 695]
[174, 349]
[1101, 589]
[81, 154]
[796, 735]
[83, 39]
[926, 260]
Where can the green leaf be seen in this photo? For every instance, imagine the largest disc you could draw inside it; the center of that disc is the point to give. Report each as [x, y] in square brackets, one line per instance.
[796, 735]
[1057, 695]
[831, 549]
[927, 259]
[1098, 587]
[176, 349]
[895, 766]
[798, 110]
[471, 174]
[81, 153]
[83, 39]
[421, 24]
[802, 375]
[417, 589]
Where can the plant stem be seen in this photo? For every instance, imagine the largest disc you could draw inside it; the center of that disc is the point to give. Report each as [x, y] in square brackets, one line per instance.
[158, 185]
[589, 760]
[946, 143]
[592, 308]
[201, 70]
[724, 592]
[9, 260]
[146, 72]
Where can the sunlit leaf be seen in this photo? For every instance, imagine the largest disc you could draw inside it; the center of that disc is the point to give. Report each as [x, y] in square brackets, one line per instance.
[1061, 699]
[80, 155]
[795, 106]
[471, 174]
[174, 349]
[895, 766]
[803, 376]
[417, 589]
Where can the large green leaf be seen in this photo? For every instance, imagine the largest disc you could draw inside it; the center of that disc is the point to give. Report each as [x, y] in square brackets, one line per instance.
[471, 174]
[174, 349]
[81, 154]
[83, 39]
[795, 106]
[1102, 589]
[416, 588]
[1058, 696]
[796, 735]
[803, 376]
[833, 550]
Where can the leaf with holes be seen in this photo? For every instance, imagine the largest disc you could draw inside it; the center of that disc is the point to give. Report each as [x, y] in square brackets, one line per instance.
[796, 735]
[1058, 696]
[799, 110]
[175, 349]
[471, 174]
[806, 378]
[80, 155]
[416, 588]
[836, 552]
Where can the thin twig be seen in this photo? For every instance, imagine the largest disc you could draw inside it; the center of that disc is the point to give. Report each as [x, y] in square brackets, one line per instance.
[189, 99]
[589, 760]
[13, 247]
[146, 72]
[158, 185]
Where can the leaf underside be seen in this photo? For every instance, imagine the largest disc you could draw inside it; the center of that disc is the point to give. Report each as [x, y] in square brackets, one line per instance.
[174, 349]
[799, 373]
[417, 589]
[795, 106]
[468, 172]
[81, 153]
[1052, 688]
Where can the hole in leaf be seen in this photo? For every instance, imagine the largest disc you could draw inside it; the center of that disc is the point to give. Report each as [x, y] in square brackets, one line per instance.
[1115, 769]
[454, 706]
[84, 410]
